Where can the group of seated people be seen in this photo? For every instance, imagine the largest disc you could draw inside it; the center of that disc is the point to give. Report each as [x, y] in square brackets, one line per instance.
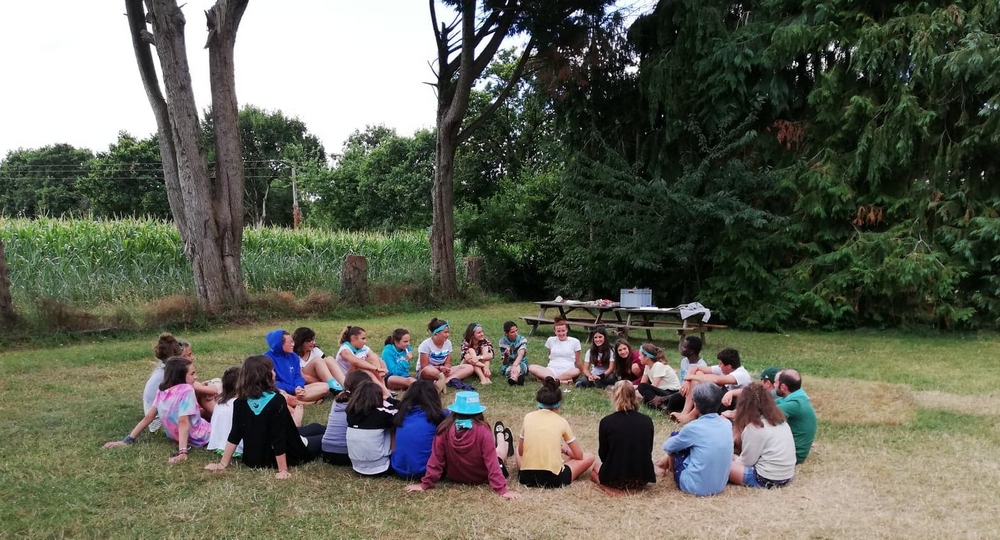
[734, 430]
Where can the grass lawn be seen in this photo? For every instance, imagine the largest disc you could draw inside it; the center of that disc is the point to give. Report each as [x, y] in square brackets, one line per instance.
[907, 447]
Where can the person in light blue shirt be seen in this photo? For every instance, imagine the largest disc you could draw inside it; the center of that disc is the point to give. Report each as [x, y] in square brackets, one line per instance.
[700, 454]
[397, 355]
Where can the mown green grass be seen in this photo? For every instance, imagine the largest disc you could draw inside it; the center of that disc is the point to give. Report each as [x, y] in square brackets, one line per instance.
[89, 263]
[899, 473]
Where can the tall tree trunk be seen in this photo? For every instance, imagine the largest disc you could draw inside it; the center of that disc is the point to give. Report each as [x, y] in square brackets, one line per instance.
[223, 22]
[209, 222]
[443, 225]
[6, 304]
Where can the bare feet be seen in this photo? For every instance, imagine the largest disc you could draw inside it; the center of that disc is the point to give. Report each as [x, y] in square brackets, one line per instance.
[681, 418]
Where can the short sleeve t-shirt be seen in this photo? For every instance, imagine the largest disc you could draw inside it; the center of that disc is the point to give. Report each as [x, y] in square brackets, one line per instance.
[178, 401]
[686, 364]
[344, 364]
[222, 424]
[562, 354]
[741, 375]
[668, 378]
[436, 355]
[314, 354]
[544, 432]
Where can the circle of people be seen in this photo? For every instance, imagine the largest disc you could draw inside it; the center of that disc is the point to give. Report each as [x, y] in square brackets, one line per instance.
[733, 430]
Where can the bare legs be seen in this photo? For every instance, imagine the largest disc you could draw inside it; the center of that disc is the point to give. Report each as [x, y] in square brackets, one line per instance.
[566, 377]
[322, 370]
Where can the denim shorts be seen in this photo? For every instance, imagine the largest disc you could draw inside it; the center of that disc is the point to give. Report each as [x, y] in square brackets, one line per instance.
[754, 480]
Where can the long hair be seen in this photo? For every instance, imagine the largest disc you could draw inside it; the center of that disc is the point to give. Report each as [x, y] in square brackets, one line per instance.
[229, 380]
[623, 366]
[396, 336]
[623, 396]
[421, 394]
[600, 356]
[352, 381]
[167, 347]
[349, 332]
[256, 377]
[658, 354]
[449, 421]
[755, 403]
[365, 399]
[549, 394]
[300, 336]
[174, 372]
[470, 332]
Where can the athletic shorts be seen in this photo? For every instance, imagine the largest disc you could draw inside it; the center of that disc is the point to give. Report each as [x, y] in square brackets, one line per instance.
[546, 479]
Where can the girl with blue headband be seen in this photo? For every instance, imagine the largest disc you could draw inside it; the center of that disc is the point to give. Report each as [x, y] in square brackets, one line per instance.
[545, 437]
[658, 379]
[435, 359]
[477, 351]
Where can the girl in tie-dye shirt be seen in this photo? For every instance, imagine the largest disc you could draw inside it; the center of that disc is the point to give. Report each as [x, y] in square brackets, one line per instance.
[177, 407]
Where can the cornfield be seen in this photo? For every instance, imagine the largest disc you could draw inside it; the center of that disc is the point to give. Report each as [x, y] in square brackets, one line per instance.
[87, 262]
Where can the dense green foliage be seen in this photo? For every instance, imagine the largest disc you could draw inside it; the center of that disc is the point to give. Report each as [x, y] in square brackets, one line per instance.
[90, 262]
[789, 163]
[42, 181]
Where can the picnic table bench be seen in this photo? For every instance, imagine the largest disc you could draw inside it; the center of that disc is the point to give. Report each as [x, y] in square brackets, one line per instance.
[591, 314]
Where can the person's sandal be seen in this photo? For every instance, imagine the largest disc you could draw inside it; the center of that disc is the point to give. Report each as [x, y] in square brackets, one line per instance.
[509, 437]
[498, 429]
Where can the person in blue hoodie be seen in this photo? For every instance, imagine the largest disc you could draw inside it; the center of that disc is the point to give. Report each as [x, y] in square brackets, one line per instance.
[416, 423]
[288, 371]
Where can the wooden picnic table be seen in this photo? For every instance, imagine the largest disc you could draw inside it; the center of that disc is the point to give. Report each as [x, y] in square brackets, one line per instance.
[590, 315]
[647, 318]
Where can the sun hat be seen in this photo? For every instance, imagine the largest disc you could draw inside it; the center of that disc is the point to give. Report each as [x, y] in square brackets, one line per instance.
[466, 403]
[769, 374]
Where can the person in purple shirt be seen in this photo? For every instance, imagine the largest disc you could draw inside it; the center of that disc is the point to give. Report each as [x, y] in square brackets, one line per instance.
[700, 454]
[288, 371]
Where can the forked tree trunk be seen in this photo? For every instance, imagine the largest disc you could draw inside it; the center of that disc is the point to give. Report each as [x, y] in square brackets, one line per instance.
[211, 226]
[6, 303]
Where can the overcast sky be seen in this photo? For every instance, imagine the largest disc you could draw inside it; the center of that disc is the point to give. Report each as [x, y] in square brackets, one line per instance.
[69, 74]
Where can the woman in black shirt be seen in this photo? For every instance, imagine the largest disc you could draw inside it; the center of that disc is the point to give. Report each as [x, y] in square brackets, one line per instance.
[626, 445]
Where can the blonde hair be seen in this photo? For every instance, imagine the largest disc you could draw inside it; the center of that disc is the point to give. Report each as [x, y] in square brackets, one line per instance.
[623, 396]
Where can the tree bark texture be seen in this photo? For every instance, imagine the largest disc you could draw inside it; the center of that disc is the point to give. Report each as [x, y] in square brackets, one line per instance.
[354, 279]
[455, 79]
[6, 303]
[203, 211]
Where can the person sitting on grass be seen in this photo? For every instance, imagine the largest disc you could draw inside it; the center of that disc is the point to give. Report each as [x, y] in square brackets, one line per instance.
[729, 374]
[700, 454]
[435, 359]
[167, 346]
[222, 420]
[767, 458]
[658, 379]
[355, 355]
[477, 351]
[466, 451]
[420, 413]
[316, 366]
[564, 356]
[262, 421]
[690, 349]
[625, 445]
[545, 436]
[627, 362]
[288, 371]
[177, 407]
[369, 430]
[334, 442]
[794, 402]
[396, 356]
[598, 364]
[514, 354]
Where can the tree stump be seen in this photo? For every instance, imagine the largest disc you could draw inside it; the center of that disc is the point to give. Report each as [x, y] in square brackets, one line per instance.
[354, 279]
[473, 271]
[6, 304]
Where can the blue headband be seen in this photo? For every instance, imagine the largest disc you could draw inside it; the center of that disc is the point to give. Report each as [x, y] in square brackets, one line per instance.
[440, 329]
[544, 406]
[647, 354]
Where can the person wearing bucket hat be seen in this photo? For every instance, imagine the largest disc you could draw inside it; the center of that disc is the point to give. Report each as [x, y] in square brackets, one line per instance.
[467, 451]
[545, 436]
